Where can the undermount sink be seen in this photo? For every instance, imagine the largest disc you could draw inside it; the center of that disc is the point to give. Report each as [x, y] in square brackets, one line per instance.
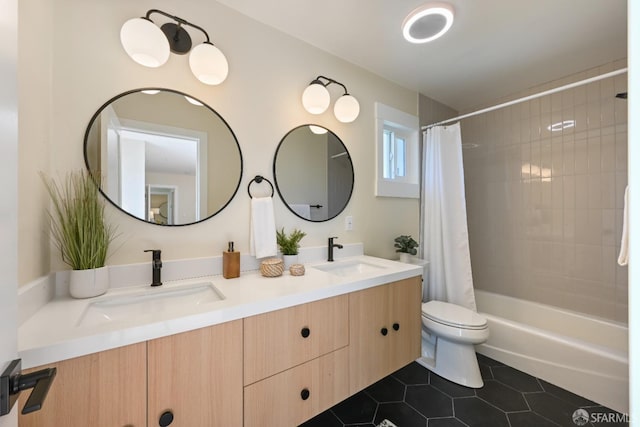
[147, 301]
[349, 267]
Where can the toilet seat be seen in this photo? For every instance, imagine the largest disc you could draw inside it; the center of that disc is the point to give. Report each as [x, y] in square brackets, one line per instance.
[453, 315]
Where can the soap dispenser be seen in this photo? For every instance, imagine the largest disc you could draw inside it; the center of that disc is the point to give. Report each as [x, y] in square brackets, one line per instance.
[230, 263]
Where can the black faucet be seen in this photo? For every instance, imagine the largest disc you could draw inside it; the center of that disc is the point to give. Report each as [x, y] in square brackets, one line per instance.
[156, 266]
[332, 245]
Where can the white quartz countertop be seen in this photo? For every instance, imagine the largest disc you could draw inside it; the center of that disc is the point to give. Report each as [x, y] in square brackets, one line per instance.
[55, 332]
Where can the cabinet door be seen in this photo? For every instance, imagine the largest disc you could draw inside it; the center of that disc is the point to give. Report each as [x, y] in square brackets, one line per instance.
[297, 394]
[368, 354]
[104, 389]
[384, 330]
[197, 376]
[405, 321]
[278, 340]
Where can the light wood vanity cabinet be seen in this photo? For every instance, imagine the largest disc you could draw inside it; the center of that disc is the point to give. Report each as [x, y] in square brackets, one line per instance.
[274, 369]
[106, 389]
[297, 394]
[196, 375]
[384, 330]
[295, 362]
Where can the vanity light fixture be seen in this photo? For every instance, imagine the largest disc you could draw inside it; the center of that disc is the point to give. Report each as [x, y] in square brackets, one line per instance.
[427, 22]
[193, 101]
[150, 45]
[316, 100]
[318, 130]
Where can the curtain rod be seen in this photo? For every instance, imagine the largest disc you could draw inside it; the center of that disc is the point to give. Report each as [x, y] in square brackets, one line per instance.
[527, 98]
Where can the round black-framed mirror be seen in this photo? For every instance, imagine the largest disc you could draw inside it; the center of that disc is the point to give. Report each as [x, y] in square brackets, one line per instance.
[313, 173]
[164, 156]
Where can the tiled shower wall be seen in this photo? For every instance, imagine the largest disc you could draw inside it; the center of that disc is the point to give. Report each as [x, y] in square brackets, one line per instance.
[545, 207]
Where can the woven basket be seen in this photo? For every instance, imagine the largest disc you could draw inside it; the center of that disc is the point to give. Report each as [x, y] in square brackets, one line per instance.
[296, 270]
[272, 267]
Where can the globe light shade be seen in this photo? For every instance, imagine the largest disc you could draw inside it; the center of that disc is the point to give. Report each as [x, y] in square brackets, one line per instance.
[318, 130]
[346, 109]
[208, 64]
[144, 42]
[315, 98]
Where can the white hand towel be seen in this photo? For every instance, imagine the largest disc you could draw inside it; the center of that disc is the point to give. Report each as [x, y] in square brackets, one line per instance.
[623, 258]
[302, 210]
[262, 228]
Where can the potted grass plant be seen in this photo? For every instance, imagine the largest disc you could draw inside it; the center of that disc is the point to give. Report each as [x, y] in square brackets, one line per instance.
[406, 246]
[289, 245]
[80, 231]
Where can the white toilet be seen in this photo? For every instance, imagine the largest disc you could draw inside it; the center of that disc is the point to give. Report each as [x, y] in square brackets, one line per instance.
[448, 338]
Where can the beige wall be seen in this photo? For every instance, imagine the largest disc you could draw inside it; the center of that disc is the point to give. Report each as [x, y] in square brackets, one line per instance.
[71, 62]
[545, 208]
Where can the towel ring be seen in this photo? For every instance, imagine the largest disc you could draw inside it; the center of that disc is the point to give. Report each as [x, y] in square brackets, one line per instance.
[258, 179]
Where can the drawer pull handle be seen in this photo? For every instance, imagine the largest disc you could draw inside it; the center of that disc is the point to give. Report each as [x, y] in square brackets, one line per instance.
[384, 331]
[396, 326]
[304, 394]
[305, 332]
[166, 419]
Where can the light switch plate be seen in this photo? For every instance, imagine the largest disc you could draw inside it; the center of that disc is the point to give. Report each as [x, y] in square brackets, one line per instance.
[348, 223]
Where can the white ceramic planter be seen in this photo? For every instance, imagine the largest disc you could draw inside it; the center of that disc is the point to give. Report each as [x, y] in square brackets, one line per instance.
[405, 257]
[289, 260]
[89, 283]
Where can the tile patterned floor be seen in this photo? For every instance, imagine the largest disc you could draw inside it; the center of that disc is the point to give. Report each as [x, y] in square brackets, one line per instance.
[416, 397]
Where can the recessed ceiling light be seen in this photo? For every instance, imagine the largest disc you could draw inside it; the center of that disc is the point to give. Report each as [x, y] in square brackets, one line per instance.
[427, 22]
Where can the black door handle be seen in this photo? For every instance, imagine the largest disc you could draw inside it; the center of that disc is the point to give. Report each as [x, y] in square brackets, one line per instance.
[305, 332]
[384, 331]
[12, 382]
[396, 326]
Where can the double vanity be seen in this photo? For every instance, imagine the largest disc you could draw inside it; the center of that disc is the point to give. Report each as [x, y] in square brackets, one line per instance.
[207, 351]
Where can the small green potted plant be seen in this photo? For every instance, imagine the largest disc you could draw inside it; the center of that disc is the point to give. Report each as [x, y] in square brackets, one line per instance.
[406, 246]
[80, 231]
[289, 245]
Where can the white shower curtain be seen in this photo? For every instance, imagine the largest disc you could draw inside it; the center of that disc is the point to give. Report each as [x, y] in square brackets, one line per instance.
[445, 237]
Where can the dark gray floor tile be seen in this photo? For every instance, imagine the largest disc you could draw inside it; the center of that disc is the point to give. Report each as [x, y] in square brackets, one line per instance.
[360, 425]
[400, 414]
[413, 373]
[478, 413]
[485, 372]
[359, 408]
[529, 419]
[444, 422]
[505, 398]
[325, 419]
[386, 390]
[449, 388]
[565, 395]
[516, 379]
[552, 408]
[429, 401]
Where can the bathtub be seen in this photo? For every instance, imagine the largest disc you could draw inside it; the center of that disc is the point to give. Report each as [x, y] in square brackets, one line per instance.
[582, 354]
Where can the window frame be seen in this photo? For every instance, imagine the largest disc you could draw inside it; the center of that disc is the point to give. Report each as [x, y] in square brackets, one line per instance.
[406, 125]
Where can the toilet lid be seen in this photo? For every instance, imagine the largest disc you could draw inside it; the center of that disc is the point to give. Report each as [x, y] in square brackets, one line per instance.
[453, 315]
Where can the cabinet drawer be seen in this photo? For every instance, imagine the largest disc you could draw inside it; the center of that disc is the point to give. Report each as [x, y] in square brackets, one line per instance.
[295, 395]
[279, 340]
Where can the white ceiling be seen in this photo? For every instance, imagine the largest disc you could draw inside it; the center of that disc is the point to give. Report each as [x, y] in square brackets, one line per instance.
[495, 47]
